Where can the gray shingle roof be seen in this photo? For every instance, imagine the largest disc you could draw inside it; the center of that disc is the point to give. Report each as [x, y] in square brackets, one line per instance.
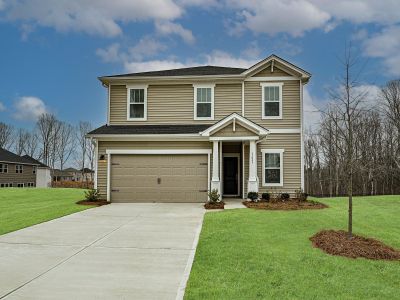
[193, 71]
[149, 129]
[34, 161]
[7, 156]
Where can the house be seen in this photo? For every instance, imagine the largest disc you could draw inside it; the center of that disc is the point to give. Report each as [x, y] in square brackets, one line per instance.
[72, 174]
[63, 175]
[22, 171]
[173, 135]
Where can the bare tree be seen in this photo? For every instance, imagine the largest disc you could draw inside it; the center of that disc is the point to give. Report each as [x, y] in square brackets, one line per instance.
[46, 131]
[90, 153]
[83, 129]
[65, 144]
[31, 144]
[20, 140]
[6, 135]
[348, 100]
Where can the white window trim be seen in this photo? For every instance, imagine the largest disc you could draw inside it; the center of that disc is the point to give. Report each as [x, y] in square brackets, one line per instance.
[280, 152]
[270, 84]
[128, 93]
[3, 168]
[34, 169]
[195, 87]
[22, 169]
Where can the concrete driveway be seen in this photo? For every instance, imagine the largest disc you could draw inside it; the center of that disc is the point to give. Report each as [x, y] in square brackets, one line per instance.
[118, 251]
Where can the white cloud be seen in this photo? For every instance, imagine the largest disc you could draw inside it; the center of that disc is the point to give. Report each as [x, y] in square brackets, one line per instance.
[276, 16]
[110, 54]
[370, 92]
[295, 17]
[222, 58]
[99, 18]
[386, 45]
[29, 108]
[2, 107]
[146, 47]
[168, 28]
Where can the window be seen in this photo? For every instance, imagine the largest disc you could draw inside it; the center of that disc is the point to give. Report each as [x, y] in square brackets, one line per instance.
[33, 169]
[30, 184]
[137, 103]
[271, 100]
[272, 161]
[20, 185]
[3, 168]
[204, 102]
[19, 168]
[4, 185]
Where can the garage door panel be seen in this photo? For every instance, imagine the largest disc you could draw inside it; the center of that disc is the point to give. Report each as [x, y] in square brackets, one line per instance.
[135, 178]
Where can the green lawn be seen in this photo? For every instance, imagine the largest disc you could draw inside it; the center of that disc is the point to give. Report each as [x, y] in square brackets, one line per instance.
[21, 207]
[251, 254]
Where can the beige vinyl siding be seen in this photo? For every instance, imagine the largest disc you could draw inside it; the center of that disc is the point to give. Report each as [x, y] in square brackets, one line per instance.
[291, 162]
[227, 131]
[290, 105]
[104, 145]
[174, 104]
[267, 72]
[15, 178]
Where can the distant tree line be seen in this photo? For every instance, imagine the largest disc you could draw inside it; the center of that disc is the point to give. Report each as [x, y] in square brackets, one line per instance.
[356, 136]
[51, 141]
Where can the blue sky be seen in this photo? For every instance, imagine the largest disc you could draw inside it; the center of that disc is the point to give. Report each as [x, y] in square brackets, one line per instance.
[53, 51]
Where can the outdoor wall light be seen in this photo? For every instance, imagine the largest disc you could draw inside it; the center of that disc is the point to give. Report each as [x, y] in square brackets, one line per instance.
[102, 158]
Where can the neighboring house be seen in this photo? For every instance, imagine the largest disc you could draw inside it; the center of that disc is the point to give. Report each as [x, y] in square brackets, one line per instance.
[22, 171]
[72, 174]
[173, 135]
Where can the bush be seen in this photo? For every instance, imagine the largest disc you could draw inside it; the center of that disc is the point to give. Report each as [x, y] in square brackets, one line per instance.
[303, 196]
[213, 196]
[92, 195]
[265, 196]
[253, 196]
[285, 196]
[72, 184]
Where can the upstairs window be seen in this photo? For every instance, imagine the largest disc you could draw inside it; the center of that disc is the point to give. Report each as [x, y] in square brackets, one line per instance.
[203, 102]
[137, 103]
[33, 169]
[3, 168]
[271, 100]
[19, 169]
[272, 161]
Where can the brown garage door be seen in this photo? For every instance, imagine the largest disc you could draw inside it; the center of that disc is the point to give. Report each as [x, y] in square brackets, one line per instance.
[159, 178]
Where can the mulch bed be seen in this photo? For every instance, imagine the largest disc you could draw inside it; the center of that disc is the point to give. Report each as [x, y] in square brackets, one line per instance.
[291, 204]
[215, 205]
[97, 203]
[336, 243]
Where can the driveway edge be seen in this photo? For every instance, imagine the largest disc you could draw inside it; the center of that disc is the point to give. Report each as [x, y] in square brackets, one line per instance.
[189, 264]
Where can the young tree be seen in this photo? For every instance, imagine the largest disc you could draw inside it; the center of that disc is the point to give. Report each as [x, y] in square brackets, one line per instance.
[46, 131]
[6, 135]
[348, 102]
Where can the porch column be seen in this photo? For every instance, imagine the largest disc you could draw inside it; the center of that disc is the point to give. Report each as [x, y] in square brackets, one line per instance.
[252, 185]
[215, 181]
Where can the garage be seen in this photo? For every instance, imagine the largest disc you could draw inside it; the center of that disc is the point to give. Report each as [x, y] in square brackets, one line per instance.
[159, 178]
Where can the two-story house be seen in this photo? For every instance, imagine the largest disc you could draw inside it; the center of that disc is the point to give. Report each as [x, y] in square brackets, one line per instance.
[22, 171]
[173, 135]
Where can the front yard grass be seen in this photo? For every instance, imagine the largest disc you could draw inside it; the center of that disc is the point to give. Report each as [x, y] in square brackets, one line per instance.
[23, 207]
[259, 254]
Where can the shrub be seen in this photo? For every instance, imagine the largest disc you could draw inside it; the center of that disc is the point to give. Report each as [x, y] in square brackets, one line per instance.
[253, 196]
[213, 196]
[285, 196]
[265, 196]
[303, 196]
[92, 195]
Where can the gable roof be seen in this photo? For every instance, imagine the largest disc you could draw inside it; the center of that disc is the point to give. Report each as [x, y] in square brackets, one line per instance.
[210, 71]
[148, 129]
[7, 156]
[233, 118]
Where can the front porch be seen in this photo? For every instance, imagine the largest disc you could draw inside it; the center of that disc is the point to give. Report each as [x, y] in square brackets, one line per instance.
[234, 156]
